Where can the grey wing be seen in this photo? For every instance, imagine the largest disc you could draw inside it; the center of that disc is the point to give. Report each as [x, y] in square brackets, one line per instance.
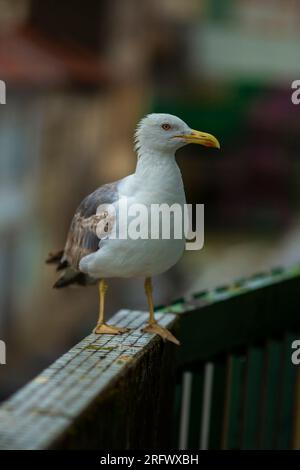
[82, 238]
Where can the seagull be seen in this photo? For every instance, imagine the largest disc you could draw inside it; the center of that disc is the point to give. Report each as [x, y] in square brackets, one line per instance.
[92, 255]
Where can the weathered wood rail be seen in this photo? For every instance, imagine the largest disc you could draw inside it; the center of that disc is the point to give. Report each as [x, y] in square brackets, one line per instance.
[231, 384]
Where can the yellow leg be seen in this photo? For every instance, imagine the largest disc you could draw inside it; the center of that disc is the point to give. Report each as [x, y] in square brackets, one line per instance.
[153, 326]
[102, 327]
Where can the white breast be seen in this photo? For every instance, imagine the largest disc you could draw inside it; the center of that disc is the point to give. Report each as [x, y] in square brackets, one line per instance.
[151, 184]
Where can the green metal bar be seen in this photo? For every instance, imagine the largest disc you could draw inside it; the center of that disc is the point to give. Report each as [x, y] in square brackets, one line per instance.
[238, 288]
[218, 404]
[206, 405]
[185, 409]
[270, 405]
[252, 402]
[234, 401]
[296, 423]
[196, 409]
[176, 414]
[287, 395]
[240, 315]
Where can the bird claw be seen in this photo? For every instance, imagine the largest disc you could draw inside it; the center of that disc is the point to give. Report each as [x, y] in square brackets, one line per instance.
[165, 334]
[105, 329]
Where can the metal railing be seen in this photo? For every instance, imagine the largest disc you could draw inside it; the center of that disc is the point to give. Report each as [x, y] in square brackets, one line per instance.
[231, 385]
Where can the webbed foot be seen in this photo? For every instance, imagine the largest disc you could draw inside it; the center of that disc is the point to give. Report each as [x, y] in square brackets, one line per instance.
[165, 334]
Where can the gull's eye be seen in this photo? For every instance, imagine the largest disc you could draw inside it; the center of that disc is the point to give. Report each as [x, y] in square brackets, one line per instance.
[166, 127]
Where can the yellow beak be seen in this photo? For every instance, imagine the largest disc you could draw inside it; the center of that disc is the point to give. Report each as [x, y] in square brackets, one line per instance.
[202, 138]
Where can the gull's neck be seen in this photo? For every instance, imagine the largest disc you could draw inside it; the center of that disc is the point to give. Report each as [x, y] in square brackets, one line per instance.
[155, 162]
[157, 172]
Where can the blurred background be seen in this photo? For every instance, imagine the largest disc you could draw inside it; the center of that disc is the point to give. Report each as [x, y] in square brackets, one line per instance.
[79, 75]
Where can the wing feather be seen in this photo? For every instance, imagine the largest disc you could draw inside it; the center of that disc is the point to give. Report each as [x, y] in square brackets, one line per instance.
[82, 238]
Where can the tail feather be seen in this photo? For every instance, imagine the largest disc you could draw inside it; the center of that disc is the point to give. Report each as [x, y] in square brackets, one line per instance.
[62, 265]
[57, 258]
[54, 258]
[71, 277]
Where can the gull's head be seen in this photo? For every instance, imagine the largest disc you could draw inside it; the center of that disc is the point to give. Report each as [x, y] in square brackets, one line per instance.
[167, 133]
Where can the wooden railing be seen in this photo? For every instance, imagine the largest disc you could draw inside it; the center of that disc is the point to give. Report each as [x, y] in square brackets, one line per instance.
[231, 384]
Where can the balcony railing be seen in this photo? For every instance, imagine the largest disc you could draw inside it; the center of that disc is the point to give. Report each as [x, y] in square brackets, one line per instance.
[231, 385]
